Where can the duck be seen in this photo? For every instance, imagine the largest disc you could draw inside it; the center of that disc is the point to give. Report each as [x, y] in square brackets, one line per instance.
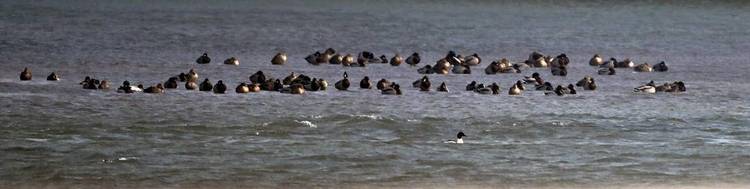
[396, 60]
[365, 83]
[365, 57]
[645, 67]
[471, 86]
[103, 85]
[627, 63]
[609, 64]
[313, 85]
[606, 71]
[232, 61]
[482, 90]
[571, 89]
[560, 61]
[519, 84]
[495, 88]
[91, 84]
[560, 90]
[427, 69]
[537, 59]
[323, 84]
[596, 60]
[383, 59]
[514, 90]
[535, 79]
[206, 85]
[220, 88]
[425, 84]
[154, 89]
[293, 89]
[645, 89]
[414, 59]
[258, 77]
[344, 83]
[547, 86]
[442, 87]
[661, 67]
[126, 88]
[453, 58]
[253, 88]
[171, 83]
[25, 74]
[279, 59]
[559, 70]
[85, 80]
[325, 57]
[492, 68]
[459, 139]
[587, 83]
[53, 77]
[336, 59]
[313, 58]
[394, 89]
[461, 69]
[348, 60]
[192, 75]
[242, 88]
[472, 60]
[182, 77]
[288, 79]
[203, 59]
[382, 84]
[506, 67]
[191, 85]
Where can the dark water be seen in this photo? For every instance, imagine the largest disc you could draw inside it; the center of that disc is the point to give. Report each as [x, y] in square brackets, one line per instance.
[55, 134]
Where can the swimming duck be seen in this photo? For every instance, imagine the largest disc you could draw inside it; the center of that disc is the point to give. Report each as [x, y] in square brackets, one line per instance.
[472, 60]
[325, 57]
[192, 76]
[514, 90]
[495, 88]
[459, 139]
[348, 60]
[279, 59]
[365, 57]
[572, 89]
[313, 85]
[645, 67]
[414, 59]
[323, 84]
[453, 58]
[383, 59]
[609, 64]
[461, 69]
[535, 79]
[425, 84]
[253, 87]
[288, 79]
[126, 88]
[203, 59]
[365, 83]
[547, 86]
[258, 77]
[596, 60]
[313, 58]
[537, 59]
[91, 84]
[232, 61]
[220, 88]
[560, 90]
[606, 71]
[627, 63]
[297, 89]
[104, 84]
[382, 84]
[53, 77]
[191, 85]
[492, 68]
[336, 59]
[344, 83]
[442, 87]
[394, 89]
[559, 70]
[560, 61]
[427, 69]
[182, 77]
[154, 89]
[587, 83]
[482, 90]
[25, 74]
[206, 85]
[519, 84]
[242, 88]
[85, 80]
[661, 67]
[471, 86]
[645, 89]
[397, 60]
[171, 83]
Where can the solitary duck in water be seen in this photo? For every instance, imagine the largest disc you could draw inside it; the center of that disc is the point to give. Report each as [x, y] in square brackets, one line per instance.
[459, 139]
[596, 60]
[606, 71]
[442, 87]
[279, 59]
[25, 74]
[242, 88]
[397, 60]
[514, 90]
[192, 76]
[344, 83]
[154, 89]
[206, 85]
[394, 89]
[414, 59]
[645, 67]
[171, 83]
[365, 83]
[53, 77]
[661, 67]
[203, 59]
[191, 85]
[220, 88]
[232, 61]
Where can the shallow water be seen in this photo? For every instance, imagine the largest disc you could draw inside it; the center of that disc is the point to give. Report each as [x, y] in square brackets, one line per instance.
[56, 134]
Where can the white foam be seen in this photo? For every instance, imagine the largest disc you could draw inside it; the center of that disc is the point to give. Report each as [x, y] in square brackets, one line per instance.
[307, 123]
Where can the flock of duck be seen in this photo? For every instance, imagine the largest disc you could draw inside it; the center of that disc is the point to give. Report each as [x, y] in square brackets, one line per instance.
[451, 63]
